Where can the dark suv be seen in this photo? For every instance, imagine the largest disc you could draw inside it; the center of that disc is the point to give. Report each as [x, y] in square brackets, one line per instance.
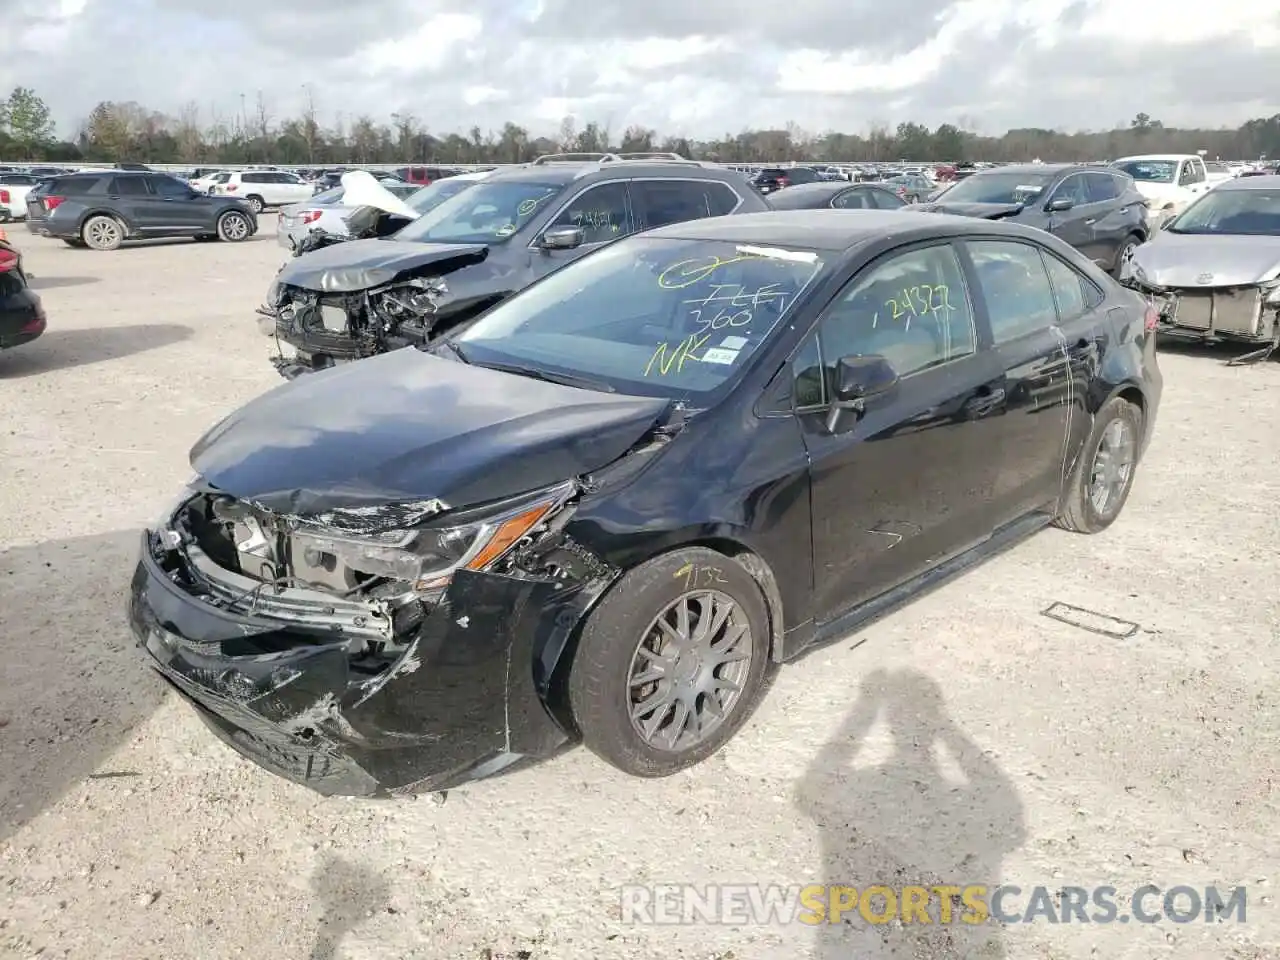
[1097, 210]
[104, 208]
[365, 297]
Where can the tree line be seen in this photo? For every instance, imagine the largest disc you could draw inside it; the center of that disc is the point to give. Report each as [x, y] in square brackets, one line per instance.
[128, 131]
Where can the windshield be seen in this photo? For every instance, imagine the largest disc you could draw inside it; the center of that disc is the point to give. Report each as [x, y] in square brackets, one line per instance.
[1234, 212]
[428, 198]
[489, 212]
[999, 187]
[1149, 171]
[648, 316]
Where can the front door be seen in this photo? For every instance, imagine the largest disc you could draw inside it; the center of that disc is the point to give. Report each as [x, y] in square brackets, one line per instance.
[908, 482]
[1077, 225]
[602, 213]
[179, 211]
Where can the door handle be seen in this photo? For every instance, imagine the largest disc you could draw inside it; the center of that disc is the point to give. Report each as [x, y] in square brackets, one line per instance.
[985, 402]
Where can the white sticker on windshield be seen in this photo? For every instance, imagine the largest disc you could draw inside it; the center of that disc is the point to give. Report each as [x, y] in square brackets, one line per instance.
[733, 343]
[774, 253]
[719, 355]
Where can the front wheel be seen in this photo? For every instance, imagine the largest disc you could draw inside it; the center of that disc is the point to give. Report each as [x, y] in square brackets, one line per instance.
[1103, 477]
[233, 227]
[671, 663]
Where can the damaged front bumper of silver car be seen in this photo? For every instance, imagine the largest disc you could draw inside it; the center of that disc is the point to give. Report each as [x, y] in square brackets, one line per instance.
[382, 650]
[1248, 313]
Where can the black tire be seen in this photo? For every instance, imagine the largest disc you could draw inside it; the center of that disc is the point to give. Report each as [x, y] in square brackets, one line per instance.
[600, 677]
[256, 203]
[234, 227]
[1079, 513]
[1131, 243]
[103, 232]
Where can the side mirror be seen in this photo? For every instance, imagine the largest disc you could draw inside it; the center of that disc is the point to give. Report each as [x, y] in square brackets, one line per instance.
[857, 380]
[1059, 204]
[563, 238]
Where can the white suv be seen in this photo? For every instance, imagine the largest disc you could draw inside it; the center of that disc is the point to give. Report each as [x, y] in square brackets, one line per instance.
[264, 188]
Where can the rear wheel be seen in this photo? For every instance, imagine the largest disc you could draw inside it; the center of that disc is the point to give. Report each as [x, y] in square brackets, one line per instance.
[233, 227]
[1103, 477]
[102, 233]
[671, 663]
[256, 204]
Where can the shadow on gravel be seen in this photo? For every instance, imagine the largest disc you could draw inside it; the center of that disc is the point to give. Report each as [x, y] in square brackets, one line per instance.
[72, 687]
[1221, 352]
[346, 894]
[60, 349]
[936, 811]
[39, 283]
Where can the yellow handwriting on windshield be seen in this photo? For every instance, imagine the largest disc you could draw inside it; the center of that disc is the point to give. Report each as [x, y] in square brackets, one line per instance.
[667, 359]
[686, 273]
[528, 206]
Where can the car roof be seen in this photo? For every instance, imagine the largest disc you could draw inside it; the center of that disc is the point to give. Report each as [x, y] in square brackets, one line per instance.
[1156, 156]
[832, 230]
[1053, 168]
[827, 186]
[1264, 182]
[565, 173]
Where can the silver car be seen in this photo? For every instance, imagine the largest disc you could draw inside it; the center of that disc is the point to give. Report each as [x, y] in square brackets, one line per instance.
[1213, 271]
[327, 212]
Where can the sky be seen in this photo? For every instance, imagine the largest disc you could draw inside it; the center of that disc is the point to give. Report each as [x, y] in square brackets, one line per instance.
[692, 68]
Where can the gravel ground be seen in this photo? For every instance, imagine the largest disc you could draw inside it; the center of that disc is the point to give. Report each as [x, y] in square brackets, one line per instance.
[128, 831]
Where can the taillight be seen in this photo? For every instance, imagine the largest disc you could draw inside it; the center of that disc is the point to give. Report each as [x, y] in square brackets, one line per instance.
[902, 191]
[1151, 319]
[4, 197]
[52, 203]
[230, 188]
[311, 216]
[8, 261]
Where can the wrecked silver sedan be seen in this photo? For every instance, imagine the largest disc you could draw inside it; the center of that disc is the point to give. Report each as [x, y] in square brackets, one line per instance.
[1213, 271]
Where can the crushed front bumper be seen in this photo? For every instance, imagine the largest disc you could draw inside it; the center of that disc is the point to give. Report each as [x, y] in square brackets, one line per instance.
[1240, 314]
[464, 701]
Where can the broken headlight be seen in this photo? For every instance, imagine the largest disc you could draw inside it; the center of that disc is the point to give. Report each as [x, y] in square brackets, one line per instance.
[428, 556]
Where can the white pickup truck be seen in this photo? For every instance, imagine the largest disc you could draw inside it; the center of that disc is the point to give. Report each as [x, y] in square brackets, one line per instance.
[1171, 182]
[14, 188]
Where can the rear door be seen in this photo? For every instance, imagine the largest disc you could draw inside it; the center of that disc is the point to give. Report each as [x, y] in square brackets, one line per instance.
[658, 202]
[130, 194]
[1114, 220]
[1016, 296]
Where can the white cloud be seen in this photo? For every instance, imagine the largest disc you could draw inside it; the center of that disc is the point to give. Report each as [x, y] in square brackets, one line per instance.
[687, 68]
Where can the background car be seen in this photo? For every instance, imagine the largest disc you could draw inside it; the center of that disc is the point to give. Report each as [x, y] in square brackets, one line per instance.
[1098, 210]
[840, 195]
[260, 189]
[478, 248]
[1170, 181]
[771, 179]
[911, 187]
[1214, 269]
[14, 188]
[22, 316]
[101, 210]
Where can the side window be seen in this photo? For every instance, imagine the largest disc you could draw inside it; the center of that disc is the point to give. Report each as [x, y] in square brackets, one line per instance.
[1068, 289]
[252, 178]
[912, 309]
[75, 185]
[169, 187]
[1200, 172]
[1101, 187]
[809, 388]
[129, 187]
[885, 200]
[660, 202]
[1016, 288]
[601, 212]
[853, 200]
[1074, 189]
[1188, 174]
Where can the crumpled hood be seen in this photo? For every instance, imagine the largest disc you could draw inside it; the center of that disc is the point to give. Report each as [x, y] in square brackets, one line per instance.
[361, 264]
[410, 426]
[1182, 259]
[984, 211]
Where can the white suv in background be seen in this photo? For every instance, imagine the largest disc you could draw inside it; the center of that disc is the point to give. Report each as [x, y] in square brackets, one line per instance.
[263, 188]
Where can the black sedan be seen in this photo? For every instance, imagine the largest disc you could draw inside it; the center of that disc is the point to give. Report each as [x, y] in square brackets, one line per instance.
[22, 316]
[615, 502]
[840, 195]
[1098, 210]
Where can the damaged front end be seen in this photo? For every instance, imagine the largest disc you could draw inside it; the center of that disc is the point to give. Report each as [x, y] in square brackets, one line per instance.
[330, 308]
[377, 650]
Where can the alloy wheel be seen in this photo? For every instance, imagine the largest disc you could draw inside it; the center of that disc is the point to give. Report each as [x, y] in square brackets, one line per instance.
[689, 670]
[1112, 466]
[102, 233]
[235, 227]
